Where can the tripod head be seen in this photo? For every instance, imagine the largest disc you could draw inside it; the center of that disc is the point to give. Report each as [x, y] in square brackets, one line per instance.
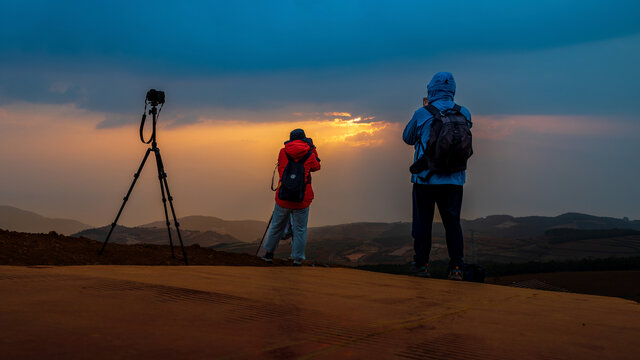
[153, 99]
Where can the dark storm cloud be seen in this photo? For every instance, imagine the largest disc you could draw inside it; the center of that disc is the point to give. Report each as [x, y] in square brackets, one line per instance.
[552, 57]
[205, 37]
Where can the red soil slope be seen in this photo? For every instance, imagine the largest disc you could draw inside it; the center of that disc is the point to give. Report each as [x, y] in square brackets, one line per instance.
[219, 312]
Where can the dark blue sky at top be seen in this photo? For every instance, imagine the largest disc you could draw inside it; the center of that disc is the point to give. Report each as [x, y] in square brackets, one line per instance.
[208, 37]
[567, 57]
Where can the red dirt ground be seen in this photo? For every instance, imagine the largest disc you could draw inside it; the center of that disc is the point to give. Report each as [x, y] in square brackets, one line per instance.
[241, 312]
[282, 312]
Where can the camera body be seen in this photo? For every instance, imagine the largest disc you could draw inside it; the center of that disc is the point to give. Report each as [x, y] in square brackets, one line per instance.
[155, 97]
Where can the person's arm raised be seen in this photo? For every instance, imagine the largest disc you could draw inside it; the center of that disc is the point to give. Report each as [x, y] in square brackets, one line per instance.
[315, 163]
[410, 134]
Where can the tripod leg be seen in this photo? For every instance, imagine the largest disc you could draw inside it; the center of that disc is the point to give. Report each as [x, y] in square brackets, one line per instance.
[135, 178]
[265, 234]
[161, 176]
[173, 211]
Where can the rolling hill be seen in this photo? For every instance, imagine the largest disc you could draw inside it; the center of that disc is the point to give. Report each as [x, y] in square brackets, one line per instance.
[156, 236]
[242, 230]
[506, 226]
[496, 238]
[499, 238]
[15, 219]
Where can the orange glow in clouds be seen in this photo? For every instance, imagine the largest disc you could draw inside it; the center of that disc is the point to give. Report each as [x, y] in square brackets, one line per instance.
[352, 132]
[69, 168]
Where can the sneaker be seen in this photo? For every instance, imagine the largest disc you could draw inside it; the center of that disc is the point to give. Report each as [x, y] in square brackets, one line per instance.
[297, 263]
[455, 274]
[420, 271]
[268, 257]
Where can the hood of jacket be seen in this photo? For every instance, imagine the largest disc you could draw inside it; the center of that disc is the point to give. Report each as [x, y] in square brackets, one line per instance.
[296, 148]
[441, 87]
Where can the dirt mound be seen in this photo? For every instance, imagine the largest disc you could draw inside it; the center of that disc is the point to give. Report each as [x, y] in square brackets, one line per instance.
[18, 248]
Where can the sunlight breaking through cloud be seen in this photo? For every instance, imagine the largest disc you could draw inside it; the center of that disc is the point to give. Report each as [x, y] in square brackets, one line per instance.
[354, 132]
[342, 114]
[342, 127]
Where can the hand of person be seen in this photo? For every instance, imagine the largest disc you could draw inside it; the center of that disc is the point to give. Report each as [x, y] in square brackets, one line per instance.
[309, 141]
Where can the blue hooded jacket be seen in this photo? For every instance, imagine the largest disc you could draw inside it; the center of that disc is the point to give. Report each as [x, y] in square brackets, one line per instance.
[441, 91]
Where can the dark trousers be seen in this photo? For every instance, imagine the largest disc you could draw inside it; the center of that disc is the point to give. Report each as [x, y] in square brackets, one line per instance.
[449, 201]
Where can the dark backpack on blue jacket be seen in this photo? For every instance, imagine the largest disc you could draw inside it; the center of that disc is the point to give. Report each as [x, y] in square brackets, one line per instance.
[293, 185]
[449, 146]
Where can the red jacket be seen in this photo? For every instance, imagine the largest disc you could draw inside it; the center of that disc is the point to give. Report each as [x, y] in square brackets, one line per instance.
[297, 149]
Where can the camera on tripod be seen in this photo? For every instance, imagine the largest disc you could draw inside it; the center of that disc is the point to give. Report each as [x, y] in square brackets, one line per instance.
[155, 97]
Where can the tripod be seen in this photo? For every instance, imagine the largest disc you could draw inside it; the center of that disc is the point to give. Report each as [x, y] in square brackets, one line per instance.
[162, 177]
[265, 234]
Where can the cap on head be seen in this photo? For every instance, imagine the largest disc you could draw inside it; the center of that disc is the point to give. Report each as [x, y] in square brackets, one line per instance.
[297, 134]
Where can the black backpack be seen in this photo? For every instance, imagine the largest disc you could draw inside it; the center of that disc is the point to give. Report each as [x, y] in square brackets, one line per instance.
[293, 184]
[449, 146]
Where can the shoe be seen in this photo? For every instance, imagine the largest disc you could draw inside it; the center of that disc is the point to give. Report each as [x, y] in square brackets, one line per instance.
[268, 257]
[456, 273]
[420, 271]
[297, 263]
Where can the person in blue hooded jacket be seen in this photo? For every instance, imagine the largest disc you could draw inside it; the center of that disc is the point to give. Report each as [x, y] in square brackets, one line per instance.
[441, 189]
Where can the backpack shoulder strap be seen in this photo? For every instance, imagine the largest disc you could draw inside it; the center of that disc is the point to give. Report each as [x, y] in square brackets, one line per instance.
[289, 158]
[306, 156]
[457, 108]
[302, 159]
[434, 111]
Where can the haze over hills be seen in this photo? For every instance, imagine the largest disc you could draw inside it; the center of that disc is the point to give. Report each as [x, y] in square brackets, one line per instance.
[498, 238]
[242, 230]
[14, 219]
[518, 227]
[156, 236]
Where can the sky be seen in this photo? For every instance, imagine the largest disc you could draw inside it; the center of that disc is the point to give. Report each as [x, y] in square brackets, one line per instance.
[551, 85]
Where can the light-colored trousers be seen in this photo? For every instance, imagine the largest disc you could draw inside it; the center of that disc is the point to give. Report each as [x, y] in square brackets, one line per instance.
[279, 222]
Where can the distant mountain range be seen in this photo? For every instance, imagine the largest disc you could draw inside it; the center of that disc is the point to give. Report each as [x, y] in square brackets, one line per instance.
[518, 227]
[242, 230]
[494, 238]
[157, 236]
[500, 238]
[205, 231]
[15, 219]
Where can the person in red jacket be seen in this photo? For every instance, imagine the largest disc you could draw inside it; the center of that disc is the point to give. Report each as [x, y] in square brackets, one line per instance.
[293, 197]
